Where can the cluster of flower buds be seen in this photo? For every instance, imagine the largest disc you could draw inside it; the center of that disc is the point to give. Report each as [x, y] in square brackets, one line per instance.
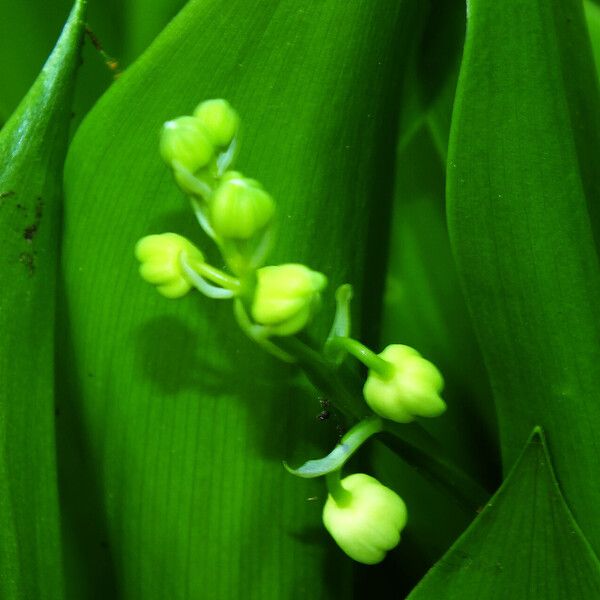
[200, 145]
[235, 211]
[238, 214]
[363, 516]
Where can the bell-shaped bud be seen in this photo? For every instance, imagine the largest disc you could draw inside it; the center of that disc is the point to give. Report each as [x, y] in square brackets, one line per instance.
[365, 518]
[240, 207]
[185, 142]
[286, 297]
[219, 120]
[410, 389]
[161, 265]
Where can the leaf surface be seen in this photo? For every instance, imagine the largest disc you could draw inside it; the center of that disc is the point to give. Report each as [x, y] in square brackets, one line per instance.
[33, 146]
[182, 422]
[523, 216]
[592, 16]
[525, 544]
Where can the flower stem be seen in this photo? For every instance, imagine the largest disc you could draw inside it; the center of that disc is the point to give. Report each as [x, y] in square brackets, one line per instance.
[217, 276]
[336, 489]
[410, 441]
[324, 377]
[372, 361]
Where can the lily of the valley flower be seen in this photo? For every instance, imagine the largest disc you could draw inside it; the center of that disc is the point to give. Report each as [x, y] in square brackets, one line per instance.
[409, 387]
[286, 297]
[219, 120]
[364, 517]
[185, 144]
[240, 208]
[160, 258]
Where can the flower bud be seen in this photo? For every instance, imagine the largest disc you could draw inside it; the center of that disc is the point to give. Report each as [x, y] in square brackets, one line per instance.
[240, 207]
[161, 265]
[412, 390]
[286, 297]
[219, 121]
[366, 520]
[184, 140]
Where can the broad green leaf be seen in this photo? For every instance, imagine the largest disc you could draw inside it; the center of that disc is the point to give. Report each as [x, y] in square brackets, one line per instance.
[19, 67]
[525, 544]
[592, 16]
[522, 186]
[183, 422]
[33, 146]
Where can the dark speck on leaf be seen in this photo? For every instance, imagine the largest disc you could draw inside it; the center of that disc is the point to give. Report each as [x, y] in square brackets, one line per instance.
[324, 414]
[30, 231]
[28, 259]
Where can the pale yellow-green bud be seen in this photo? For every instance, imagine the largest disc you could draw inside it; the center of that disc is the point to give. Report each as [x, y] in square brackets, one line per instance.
[184, 140]
[159, 256]
[412, 389]
[366, 520]
[240, 208]
[219, 120]
[286, 297]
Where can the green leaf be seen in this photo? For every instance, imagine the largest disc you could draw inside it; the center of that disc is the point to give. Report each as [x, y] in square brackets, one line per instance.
[592, 16]
[182, 421]
[522, 185]
[33, 144]
[525, 544]
[19, 68]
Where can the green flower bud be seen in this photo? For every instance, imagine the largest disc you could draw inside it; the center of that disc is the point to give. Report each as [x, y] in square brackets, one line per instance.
[185, 141]
[161, 265]
[412, 389]
[219, 120]
[286, 297]
[366, 520]
[240, 207]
